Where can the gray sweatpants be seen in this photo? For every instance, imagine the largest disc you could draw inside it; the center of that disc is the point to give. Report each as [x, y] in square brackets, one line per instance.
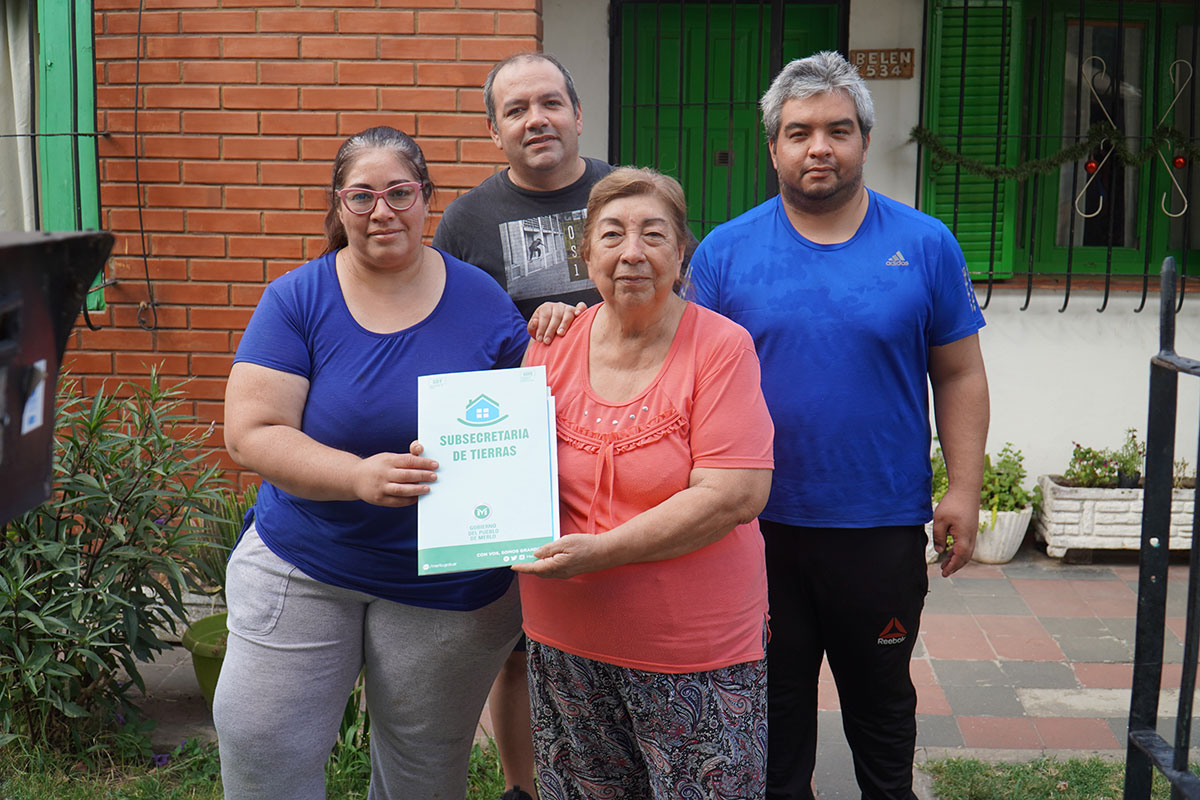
[296, 646]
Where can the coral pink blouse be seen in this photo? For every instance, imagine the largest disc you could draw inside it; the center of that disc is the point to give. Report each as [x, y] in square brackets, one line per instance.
[705, 408]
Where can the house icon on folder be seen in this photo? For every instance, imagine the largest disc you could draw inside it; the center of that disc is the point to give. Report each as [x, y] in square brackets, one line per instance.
[481, 411]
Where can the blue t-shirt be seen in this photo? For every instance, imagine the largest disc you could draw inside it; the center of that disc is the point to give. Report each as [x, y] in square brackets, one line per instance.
[843, 333]
[362, 399]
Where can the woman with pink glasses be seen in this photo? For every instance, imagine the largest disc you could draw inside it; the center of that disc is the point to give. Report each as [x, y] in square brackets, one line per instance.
[321, 402]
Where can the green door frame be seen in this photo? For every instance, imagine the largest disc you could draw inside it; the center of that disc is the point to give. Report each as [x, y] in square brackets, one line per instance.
[66, 148]
[666, 104]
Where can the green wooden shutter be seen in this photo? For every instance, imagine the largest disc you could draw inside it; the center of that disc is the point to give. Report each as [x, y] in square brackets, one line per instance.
[982, 207]
[690, 79]
[67, 105]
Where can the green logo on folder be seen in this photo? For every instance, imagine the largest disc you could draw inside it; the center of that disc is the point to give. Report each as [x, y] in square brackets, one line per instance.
[481, 412]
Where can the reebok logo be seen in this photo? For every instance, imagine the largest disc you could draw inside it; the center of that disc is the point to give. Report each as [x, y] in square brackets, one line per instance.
[897, 260]
[893, 633]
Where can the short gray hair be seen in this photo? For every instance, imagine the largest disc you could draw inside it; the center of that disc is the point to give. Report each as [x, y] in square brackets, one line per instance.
[821, 72]
[489, 101]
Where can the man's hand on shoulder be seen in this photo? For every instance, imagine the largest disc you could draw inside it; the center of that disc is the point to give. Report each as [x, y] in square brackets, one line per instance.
[957, 515]
[553, 319]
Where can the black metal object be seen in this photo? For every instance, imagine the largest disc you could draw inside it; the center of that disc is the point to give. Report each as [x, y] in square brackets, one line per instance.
[44, 278]
[1147, 750]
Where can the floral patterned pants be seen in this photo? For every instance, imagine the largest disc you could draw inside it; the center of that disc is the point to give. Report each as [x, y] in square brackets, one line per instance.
[603, 731]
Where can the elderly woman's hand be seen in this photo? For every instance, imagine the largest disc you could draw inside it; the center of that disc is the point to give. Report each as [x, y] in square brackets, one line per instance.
[394, 479]
[553, 319]
[568, 556]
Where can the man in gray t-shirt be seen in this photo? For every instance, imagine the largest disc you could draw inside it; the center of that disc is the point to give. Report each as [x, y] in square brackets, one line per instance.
[534, 117]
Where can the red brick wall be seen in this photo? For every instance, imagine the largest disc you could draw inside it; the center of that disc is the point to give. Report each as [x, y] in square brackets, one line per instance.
[242, 105]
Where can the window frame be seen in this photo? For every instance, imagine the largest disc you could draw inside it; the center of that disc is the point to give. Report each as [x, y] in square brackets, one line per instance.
[1029, 118]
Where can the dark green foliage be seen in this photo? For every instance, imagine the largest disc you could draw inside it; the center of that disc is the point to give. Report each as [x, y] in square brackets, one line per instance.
[219, 534]
[89, 578]
[941, 481]
[1100, 134]
[1091, 467]
[1002, 481]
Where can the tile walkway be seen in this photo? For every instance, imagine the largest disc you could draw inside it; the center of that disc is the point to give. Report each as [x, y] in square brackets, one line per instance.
[1033, 656]
[1014, 661]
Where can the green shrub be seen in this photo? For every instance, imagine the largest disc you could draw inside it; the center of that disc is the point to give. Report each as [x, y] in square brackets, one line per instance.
[222, 524]
[1130, 455]
[88, 577]
[1002, 481]
[1181, 475]
[941, 480]
[1090, 467]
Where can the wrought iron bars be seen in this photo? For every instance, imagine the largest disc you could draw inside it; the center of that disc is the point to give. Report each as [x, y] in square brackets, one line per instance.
[1146, 750]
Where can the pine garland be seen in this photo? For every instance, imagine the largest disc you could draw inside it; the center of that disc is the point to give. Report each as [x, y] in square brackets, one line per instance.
[1096, 135]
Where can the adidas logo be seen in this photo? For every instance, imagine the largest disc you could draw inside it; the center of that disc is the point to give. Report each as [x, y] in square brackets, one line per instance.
[897, 260]
[894, 632]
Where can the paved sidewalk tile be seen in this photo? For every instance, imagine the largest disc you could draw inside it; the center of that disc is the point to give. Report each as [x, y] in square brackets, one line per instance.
[1076, 734]
[984, 587]
[1020, 638]
[1052, 598]
[1040, 674]
[1008, 733]
[932, 700]
[984, 701]
[954, 636]
[1105, 676]
[962, 672]
[938, 731]
[1107, 598]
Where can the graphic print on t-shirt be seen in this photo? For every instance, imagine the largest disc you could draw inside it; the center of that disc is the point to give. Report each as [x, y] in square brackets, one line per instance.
[542, 255]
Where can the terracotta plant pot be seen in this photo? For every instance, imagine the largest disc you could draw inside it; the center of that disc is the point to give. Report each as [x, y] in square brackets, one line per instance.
[205, 640]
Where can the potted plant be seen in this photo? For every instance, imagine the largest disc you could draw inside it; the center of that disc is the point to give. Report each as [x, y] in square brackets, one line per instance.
[1097, 502]
[206, 637]
[941, 482]
[1005, 506]
[1128, 459]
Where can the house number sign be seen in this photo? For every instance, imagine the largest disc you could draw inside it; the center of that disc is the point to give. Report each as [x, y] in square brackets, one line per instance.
[896, 63]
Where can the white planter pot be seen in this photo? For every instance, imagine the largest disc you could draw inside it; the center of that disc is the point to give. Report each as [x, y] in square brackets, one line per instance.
[931, 555]
[992, 546]
[997, 544]
[1103, 519]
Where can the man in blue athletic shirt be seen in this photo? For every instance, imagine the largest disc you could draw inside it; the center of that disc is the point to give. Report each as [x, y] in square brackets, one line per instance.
[857, 304]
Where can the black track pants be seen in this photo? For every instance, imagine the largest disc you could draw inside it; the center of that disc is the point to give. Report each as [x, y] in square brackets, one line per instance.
[854, 595]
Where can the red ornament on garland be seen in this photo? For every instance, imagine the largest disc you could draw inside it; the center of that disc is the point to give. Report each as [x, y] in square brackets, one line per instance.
[1180, 162]
[1090, 166]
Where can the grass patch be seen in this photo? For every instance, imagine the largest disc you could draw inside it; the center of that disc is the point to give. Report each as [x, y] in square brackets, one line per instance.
[1040, 779]
[193, 772]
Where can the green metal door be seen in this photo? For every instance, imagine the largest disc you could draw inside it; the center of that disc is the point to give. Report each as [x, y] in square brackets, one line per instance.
[687, 81]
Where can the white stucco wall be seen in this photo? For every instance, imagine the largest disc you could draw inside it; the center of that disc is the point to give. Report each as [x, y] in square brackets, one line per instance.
[1079, 376]
[576, 33]
[891, 159]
